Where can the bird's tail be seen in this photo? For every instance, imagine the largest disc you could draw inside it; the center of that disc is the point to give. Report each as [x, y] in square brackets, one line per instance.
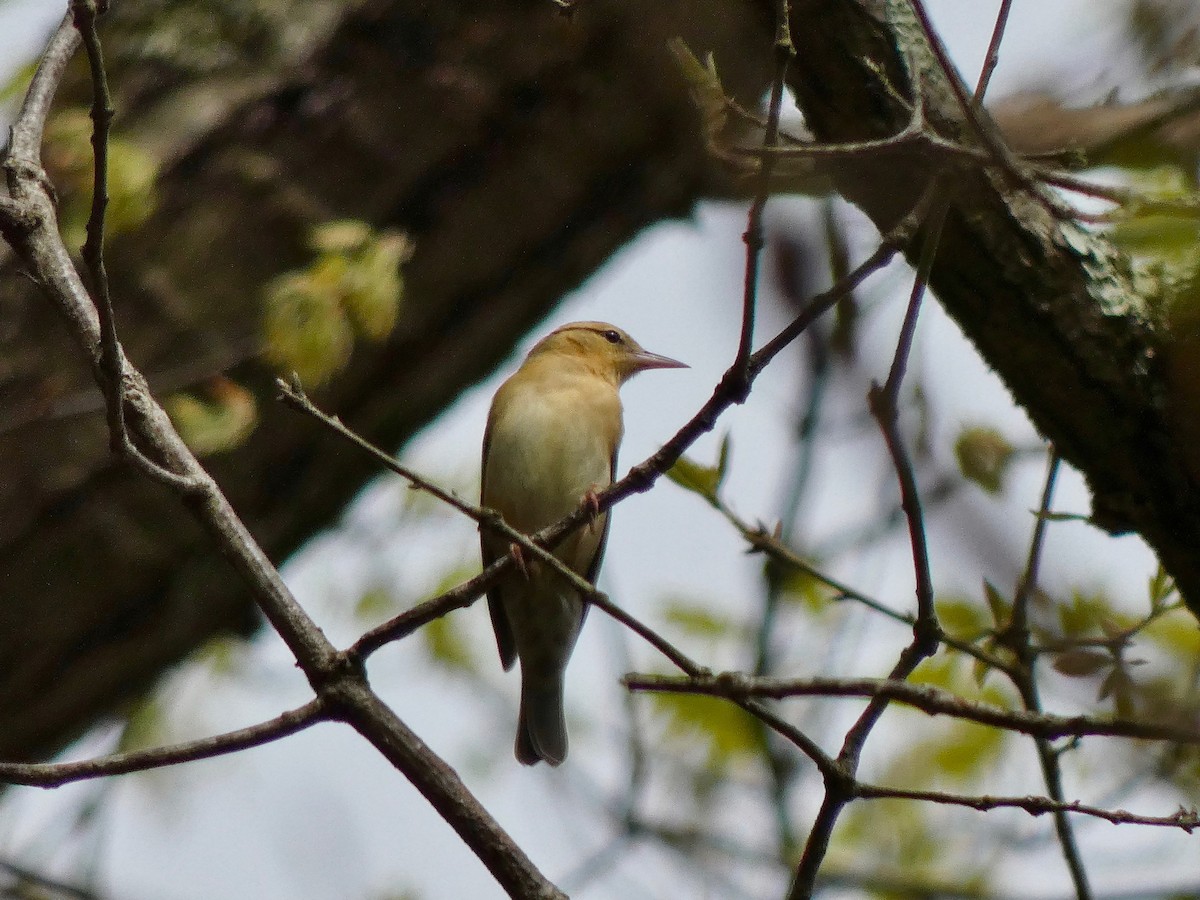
[541, 724]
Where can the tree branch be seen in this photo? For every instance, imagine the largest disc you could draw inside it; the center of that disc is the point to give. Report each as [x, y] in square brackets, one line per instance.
[1185, 819]
[50, 775]
[1061, 315]
[338, 682]
[929, 699]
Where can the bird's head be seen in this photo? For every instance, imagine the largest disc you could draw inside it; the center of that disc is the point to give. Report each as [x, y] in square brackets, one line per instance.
[603, 348]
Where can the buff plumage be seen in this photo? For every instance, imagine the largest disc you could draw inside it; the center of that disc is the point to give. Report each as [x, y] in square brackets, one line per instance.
[551, 441]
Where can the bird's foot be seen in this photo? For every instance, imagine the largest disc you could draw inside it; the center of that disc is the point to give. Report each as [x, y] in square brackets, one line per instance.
[592, 499]
[514, 550]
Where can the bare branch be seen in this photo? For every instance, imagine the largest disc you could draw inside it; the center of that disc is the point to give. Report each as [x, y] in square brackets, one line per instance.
[1017, 637]
[338, 680]
[927, 632]
[992, 57]
[784, 51]
[1186, 819]
[49, 775]
[927, 698]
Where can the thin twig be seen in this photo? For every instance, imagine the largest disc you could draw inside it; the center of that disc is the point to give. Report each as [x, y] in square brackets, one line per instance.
[979, 122]
[458, 597]
[889, 245]
[762, 540]
[784, 51]
[928, 699]
[884, 403]
[778, 760]
[30, 126]
[85, 14]
[1019, 625]
[1129, 202]
[293, 394]
[333, 676]
[1024, 677]
[1185, 819]
[467, 592]
[49, 775]
[111, 362]
[926, 632]
[983, 128]
[992, 57]
[642, 476]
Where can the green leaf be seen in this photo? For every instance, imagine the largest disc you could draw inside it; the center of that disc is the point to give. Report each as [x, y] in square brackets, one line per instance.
[132, 174]
[1000, 608]
[980, 671]
[352, 287]
[373, 287]
[966, 750]
[940, 671]
[1119, 686]
[1113, 628]
[1177, 633]
[1162, 224]
[799, 586]
[339, 237]
[699, 620]
[702, 480]
[950, 672]
[956, 750]
[17, 86]
[222, 421]
[223, 655]
[984, 455]
[452, 577]
[729, 734]
[374, 604]
[910, 845]
[1083, 614]
[962, 618]
[145, 724]
[305, 327]
[723, 460]
[447, 647]
[1162, 589]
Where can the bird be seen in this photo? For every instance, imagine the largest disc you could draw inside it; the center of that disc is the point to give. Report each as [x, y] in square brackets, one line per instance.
[550, 444]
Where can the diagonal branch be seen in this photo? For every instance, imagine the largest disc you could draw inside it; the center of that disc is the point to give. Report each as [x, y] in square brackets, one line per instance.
[467, 592]
[338, 682]
[1063, 317]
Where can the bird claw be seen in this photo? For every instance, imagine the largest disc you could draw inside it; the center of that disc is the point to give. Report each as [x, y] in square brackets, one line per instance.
[514, 550]
[592, 499]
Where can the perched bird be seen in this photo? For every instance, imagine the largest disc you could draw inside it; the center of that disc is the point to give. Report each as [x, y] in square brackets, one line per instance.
[551, 441]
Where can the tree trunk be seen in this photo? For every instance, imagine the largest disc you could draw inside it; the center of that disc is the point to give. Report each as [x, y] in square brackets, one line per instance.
[517, 148]
[1063, 318]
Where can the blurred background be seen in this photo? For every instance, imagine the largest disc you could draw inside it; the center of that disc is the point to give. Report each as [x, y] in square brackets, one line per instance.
[397, 201]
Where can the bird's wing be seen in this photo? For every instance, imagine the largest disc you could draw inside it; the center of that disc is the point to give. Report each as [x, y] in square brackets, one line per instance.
[593, 569]
[505, 642]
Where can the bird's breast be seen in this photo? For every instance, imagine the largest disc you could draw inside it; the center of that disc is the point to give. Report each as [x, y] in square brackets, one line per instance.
[549, 445]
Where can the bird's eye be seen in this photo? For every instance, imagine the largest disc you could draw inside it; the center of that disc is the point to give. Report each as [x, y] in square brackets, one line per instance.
[612, 337]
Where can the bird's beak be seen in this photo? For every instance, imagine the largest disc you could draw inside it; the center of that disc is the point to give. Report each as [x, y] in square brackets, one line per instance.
[644, 359]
